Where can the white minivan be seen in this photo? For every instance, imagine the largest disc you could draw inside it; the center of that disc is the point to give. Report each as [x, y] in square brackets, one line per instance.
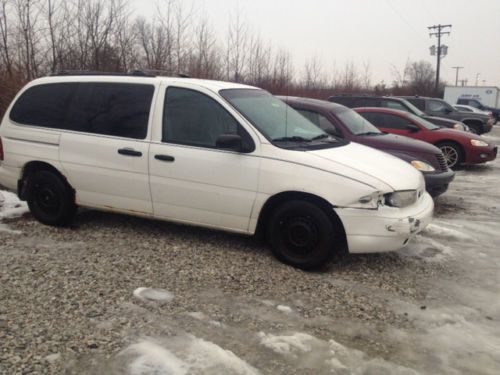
[214, 154]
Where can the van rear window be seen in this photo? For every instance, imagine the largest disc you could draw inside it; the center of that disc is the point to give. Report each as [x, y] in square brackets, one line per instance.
[116, 109]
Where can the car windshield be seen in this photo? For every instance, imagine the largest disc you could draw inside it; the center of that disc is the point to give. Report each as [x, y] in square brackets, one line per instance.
[423, 122]
[357, 124]
[414, 109]
[277, 121]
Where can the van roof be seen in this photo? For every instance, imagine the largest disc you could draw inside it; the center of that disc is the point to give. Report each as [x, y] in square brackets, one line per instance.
[102, 77]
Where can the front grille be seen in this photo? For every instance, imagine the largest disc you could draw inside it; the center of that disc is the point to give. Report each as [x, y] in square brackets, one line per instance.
[442, 162]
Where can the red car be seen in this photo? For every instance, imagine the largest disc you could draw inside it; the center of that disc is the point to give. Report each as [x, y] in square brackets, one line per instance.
[457, 146]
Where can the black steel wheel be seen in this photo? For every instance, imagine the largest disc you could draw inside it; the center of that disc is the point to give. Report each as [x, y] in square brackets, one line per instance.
[50, 199]
[302, 235]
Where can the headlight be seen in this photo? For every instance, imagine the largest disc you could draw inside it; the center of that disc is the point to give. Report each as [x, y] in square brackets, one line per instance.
[401, 198]
[458, 126]
[478, 143]
[370, 201]
[421, 166]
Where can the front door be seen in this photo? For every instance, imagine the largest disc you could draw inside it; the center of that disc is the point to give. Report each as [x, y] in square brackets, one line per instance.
[191, 179]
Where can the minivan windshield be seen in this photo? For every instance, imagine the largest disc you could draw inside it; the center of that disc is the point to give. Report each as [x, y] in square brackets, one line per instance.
[277, 121]
[356, 123]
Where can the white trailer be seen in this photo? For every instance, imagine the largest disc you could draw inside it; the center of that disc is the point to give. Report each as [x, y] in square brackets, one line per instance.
[488, 95]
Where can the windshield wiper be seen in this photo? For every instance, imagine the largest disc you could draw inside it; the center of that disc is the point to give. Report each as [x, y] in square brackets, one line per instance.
[294, 138]
[321, 136]
[370, 133]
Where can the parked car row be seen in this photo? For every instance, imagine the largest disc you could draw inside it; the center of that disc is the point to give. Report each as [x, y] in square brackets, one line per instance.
[214, 154]
[316, 178]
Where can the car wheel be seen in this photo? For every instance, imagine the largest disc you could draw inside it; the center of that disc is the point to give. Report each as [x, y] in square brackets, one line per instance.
[475, 129]
[50, 199]
[302, 235]
[453, 154]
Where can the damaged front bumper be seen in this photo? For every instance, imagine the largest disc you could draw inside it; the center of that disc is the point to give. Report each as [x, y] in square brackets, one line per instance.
[387, 228]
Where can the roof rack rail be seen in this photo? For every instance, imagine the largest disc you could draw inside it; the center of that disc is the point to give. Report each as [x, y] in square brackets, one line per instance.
[98, 73]
[133, 73]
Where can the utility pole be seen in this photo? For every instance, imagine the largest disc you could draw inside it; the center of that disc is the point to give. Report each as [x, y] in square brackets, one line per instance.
[438, 34]
[457, 68]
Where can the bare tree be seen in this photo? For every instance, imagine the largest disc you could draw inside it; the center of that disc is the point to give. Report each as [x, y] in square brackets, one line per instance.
[5, 41]
[236, 47]
[259, 61]
[314, 76]
[205, 56]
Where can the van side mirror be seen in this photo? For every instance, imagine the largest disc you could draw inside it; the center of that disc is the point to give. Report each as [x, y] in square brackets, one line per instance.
[231, 142]
[412, 128]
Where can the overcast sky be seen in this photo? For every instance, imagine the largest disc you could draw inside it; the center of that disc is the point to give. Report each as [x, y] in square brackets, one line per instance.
[381, 32]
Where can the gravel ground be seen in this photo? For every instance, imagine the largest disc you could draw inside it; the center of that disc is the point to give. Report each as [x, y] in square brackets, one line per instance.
[67, 303]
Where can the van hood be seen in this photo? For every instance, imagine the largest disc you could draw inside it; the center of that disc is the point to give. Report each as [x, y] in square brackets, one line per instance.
[376, 168]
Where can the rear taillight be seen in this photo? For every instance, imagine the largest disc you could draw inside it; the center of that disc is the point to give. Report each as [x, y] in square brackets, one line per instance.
[1, 149]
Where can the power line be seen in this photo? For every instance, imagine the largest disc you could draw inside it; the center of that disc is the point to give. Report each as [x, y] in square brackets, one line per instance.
[438, 34]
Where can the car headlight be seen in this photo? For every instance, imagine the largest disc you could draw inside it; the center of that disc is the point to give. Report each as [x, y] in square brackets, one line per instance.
[401, 198]
[371, 201]
[478, 143]
[422, 166]
[458, 126]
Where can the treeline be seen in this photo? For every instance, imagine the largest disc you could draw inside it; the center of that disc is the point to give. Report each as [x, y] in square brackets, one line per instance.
[38, 37]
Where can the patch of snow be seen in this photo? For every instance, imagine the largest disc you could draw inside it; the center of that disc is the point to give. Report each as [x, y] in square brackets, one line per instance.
[51, 358]
[309, 352]
[7, 229]
[439, 231]
[152, 358]
[197, 315]
[285, 309]
[201, 316]
[211, 359]
[152, 294]
[10, 206]
[287, 344]
[183, 355]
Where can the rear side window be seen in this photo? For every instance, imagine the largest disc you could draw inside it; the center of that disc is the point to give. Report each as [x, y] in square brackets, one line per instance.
[383, 120]
[344, 100]
[114, 109]
[44, 105]
[366, 102]
[101, 108]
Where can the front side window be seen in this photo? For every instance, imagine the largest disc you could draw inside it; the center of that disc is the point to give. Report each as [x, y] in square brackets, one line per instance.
[439, 106]
[193, 118]
[366, 102]
[383, 120]
[273, 118]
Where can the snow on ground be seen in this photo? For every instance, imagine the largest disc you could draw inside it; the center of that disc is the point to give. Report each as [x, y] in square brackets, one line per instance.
[184, 355]
[11, 206]
[152, 294]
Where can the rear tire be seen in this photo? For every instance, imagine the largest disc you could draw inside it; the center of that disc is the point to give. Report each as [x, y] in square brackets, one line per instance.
[50, 199]
[453, 154]
[302, 235]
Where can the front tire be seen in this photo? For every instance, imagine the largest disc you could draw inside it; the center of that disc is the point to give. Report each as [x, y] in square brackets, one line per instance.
[50, 199]
[302, 235]
[453, 154]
